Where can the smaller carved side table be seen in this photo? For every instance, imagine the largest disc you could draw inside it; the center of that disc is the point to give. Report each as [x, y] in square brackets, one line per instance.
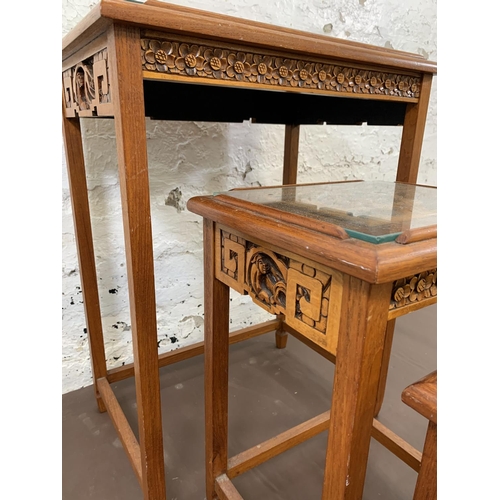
[422, 397]
[337, 261]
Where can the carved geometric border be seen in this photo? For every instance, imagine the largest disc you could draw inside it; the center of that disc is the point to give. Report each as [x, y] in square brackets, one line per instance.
[319, 317]
[223, 63]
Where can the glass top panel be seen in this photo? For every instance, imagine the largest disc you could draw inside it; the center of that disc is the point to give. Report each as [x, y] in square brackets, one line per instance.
[374, 211]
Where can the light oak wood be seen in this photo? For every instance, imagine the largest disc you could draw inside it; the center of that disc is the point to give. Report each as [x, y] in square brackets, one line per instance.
[422, 397]
[415, 306]
[395, 444]
[225, 489]
[219, 27]
[384, 369]
[309, 343]
[361, 259]
[426, 487]
[216, 365]
[413, 135]
[420, 234]
[116, 27]
[291, 155]
[364, 336]
[279, 29]
[278, 444]
[196, 349]
[125, 433]
[126, 85]
[279, 214]
[357, 373]
[84, 244]
[281, 336]
[151, 75]
[89, 28]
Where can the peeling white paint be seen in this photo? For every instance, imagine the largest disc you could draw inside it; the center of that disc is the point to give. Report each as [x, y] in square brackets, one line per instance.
[202, 158]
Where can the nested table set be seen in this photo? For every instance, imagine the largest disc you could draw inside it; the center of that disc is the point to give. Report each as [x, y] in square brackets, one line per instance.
[132, 61]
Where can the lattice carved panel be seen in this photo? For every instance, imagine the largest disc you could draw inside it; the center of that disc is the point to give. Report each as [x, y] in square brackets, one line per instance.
[309, 298]
[86, 87]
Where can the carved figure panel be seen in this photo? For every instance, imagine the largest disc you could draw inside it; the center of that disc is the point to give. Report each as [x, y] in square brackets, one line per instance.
[224, 63]
[309, 298]
[266, 275]
[86, 87]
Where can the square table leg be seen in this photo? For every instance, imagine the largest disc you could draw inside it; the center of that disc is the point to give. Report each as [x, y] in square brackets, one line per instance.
[357, 374]
[130, 125]
[216, 364]
[84, 243]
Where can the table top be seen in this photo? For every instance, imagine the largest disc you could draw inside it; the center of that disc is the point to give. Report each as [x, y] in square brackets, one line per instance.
[373, 211]
[155, 14]
[377, 231]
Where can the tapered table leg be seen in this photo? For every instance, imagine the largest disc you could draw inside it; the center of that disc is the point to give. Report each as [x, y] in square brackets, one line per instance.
[426, 487]
[216, 364]
[85, 248]
[357, 373]
[384, 369]
[127, 94]
[413, 134]
[290, 167]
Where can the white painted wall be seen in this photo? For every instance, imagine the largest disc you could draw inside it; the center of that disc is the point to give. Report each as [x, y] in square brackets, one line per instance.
[200, 158]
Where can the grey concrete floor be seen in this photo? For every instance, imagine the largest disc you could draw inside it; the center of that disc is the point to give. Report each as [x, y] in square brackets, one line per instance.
[270, 390]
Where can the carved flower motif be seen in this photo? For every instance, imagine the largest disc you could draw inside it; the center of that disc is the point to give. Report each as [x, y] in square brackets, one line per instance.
[238, 66]
[215, 62]
[302, 76]
[414, 288]
[403, 86]
[389, 84]
[360, 83]
[322, 76]
[376, 84]
[159, 56]
[261, 69]
[341, 80]
[283, 71]
[189, 59]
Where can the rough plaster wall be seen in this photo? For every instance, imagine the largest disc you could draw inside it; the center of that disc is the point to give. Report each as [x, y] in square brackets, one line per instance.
[188, 159]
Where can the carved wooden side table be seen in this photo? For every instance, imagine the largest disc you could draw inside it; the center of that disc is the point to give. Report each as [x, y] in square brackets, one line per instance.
[337, 261]
[129, 61]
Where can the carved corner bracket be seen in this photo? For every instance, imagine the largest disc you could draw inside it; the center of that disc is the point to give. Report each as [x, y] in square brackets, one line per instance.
[227, 64]
[86, 87]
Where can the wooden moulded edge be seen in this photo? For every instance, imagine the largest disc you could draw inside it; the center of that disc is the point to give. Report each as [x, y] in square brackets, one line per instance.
[217, 27]
[373, 263]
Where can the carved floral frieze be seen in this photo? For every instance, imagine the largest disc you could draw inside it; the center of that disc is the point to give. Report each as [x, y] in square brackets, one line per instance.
[179, 58]
[86, 87]
[414, 289]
